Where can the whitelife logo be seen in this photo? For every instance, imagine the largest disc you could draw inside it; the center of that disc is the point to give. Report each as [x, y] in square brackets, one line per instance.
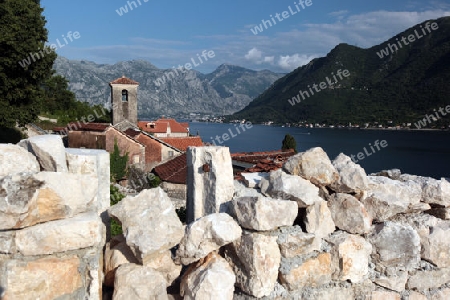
[265, 24]
[124, 9]
[48, 49]
[323, 85]
[392, 48]
[432, 118]
[183, 68]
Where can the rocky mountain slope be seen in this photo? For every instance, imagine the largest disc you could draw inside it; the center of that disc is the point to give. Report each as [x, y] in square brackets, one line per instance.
[165, 92]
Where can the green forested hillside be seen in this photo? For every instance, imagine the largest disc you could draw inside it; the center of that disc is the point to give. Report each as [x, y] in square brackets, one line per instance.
[401, 86]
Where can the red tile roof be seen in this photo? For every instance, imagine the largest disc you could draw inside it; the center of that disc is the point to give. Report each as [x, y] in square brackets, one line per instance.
[124, 80]
[183, 142]
[174, 171]
[153, 127]
[161, 125]
[256, 157]
[80, 126]
[131, 132]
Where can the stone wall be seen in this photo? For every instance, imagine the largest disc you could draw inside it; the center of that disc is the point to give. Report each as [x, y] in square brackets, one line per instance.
[176, 192]
[316, 229]
[53, 220]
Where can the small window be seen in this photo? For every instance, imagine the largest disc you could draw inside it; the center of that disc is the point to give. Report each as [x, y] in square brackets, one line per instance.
[170, 153]
[136, 159]
[124, 96]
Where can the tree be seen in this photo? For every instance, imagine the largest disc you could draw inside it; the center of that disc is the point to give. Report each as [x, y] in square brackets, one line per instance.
[118, 163]
[289, 143]
[25, 62]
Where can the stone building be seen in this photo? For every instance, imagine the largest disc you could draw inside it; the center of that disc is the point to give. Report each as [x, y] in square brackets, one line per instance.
[124, 100]
[148, 143]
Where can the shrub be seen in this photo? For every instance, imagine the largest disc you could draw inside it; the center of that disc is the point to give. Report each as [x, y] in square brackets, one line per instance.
[116, 197]
[118, 163]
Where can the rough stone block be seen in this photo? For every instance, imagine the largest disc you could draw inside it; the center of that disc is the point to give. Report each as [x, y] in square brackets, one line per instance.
[45, 278]
[29, 199]
[207, 234]
[313, 165]
[255, 259]
[83, 231]
[290, 187]
[262, 214]
[313, 272]
[349, 214]
[352, 177]
[149, 222]
[210, 181]
[49, 151]
[395, 245]
[350, 257]
[139, 283]
[211, 278]
[15, 159]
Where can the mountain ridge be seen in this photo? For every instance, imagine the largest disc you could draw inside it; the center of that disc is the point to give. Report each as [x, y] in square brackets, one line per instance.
[226, 90]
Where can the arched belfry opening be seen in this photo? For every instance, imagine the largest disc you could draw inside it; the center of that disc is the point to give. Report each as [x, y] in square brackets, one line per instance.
[124, 100]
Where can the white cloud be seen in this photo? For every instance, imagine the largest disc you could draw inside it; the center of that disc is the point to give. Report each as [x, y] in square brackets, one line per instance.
[277, 50]
[254, 55]
[291, 62]
[269, 59]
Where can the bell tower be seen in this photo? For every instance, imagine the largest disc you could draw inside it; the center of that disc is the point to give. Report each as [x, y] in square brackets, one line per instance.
[124, 100]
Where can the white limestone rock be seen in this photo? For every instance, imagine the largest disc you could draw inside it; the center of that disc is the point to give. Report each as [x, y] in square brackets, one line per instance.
[395, 245]
[350, 256]
[352, 177]
[210, 181]
[139, 283]
[263, 214]
[294, 242]
[207, 234]
[318, 220]
[49, 151]
[83, 231]
[313, 165]
[255, 259]
[212, 278]
[349, 214]
[149, 222]
[290, 187]
[15, 159]
[28, 199]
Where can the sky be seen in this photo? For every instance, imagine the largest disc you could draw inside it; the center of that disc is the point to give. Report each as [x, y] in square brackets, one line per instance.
[172, 33]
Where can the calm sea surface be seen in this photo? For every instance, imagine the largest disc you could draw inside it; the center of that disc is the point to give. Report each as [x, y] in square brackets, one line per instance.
[425, 153]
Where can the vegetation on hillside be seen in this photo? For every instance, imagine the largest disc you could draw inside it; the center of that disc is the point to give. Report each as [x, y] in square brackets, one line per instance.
[401, 87]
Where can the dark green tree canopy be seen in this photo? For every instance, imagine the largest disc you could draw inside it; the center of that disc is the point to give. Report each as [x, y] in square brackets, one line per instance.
[22, 33]
[289, 143]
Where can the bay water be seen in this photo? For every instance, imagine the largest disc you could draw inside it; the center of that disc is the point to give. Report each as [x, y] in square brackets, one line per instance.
[425, 153]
